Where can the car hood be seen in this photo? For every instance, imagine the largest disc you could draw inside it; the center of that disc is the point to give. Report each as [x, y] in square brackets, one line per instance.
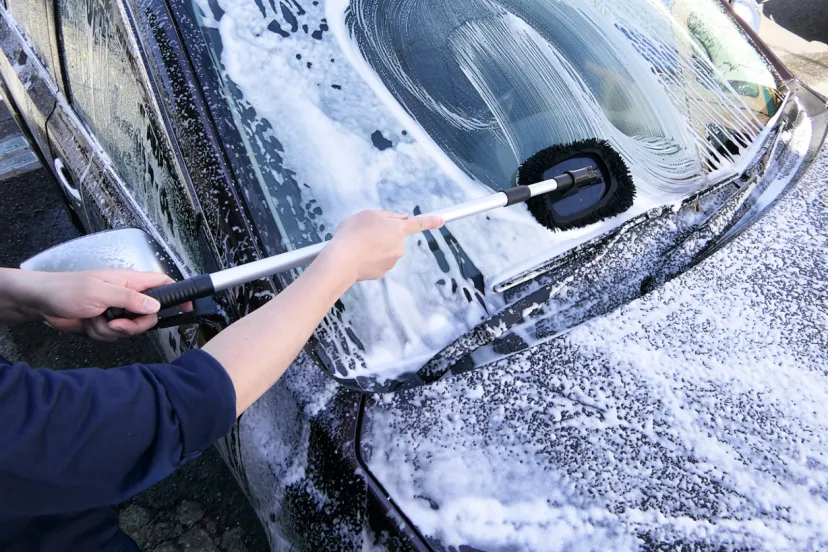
[694, 415]
[337, 119]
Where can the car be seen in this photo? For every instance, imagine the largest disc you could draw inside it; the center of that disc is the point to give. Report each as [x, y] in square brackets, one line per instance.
[653, 381]
[750, 11]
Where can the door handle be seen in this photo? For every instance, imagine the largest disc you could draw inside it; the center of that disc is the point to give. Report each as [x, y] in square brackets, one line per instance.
[65, 180]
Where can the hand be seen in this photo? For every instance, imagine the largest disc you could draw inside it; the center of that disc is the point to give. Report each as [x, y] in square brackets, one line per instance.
[365, 247]
[371, 242]
[76, 301]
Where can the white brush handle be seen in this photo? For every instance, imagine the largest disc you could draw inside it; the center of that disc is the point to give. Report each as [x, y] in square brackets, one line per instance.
[293, 259]
[206, 285]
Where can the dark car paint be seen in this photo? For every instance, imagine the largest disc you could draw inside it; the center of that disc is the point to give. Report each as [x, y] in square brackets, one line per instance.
[185, 90]
[143, 160]
[188, 119]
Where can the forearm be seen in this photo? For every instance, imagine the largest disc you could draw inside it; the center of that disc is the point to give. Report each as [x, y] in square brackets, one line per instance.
[17, 303]
[258, 349]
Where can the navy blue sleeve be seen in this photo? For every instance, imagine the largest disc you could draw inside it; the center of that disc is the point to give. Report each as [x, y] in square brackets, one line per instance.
[81, 439]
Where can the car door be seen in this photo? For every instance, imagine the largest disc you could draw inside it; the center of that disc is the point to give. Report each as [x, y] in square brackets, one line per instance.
[112, 149]
[29, 68]
[108, 139]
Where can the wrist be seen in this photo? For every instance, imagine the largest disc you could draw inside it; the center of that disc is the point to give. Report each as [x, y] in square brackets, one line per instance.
[336, 261]
[19, 298]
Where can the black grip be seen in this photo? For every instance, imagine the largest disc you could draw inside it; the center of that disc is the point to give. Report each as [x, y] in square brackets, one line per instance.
[518, 194]
[566, 182]
[571, 181]
[586, 176]
[172, 294]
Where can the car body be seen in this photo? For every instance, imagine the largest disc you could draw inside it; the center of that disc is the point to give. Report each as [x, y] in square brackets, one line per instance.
[649, 382]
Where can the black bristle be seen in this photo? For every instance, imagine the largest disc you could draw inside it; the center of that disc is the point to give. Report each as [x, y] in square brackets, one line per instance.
[619, 197]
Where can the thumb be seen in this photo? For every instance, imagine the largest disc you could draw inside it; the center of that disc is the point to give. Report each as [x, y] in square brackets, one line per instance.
[130, 299]
[421, 224]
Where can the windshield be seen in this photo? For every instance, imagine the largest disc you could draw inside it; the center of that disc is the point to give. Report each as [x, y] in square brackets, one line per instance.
[494, 82]
[415, 105]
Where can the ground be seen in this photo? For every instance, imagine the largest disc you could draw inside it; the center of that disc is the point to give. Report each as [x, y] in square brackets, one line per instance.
[804, 53]
[201, 507]
[807, 18]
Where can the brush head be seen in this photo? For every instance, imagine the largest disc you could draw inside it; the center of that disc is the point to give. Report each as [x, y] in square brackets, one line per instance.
[589, 204]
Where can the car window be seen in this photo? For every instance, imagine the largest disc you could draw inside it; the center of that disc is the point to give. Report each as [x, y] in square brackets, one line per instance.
[495, 82]
[106, 90]
[33, 19]
[677, 88]
[415, 105]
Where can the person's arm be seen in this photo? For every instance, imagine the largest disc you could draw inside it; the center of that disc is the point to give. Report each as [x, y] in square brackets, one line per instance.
[75, 301]
[258, 349]
[14, 307]
[83, 438]
[79, 439]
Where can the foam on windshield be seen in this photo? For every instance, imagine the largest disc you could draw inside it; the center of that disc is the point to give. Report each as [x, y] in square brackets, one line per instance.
[357, 129]
[494, 82]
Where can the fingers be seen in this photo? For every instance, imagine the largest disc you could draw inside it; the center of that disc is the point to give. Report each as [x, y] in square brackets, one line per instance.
[97, 329]
[142, 281]
[125, 327]
[421, 224]
[100, 330]
[90, 294]
[132, 279]
[65, 325]
[139, 303]
[130, 299]
[125, 286]
[396, 216]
